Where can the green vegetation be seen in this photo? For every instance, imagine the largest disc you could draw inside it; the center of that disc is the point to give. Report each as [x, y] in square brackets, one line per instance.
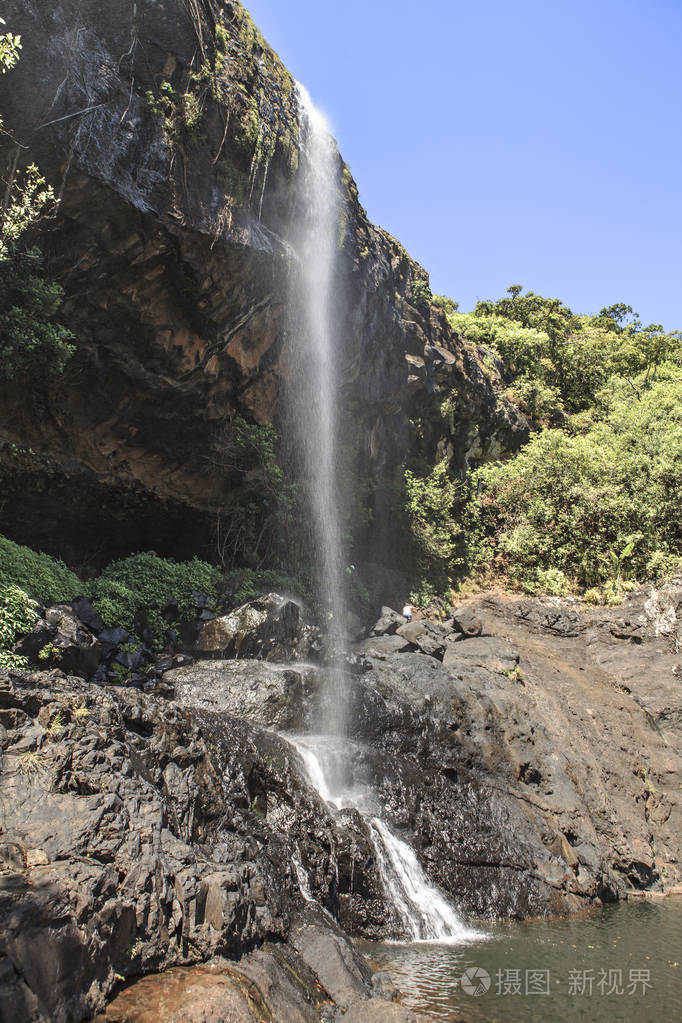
[9, 50]
[31, 343]
[131, 593]
[258, 521]
[246, 79]
[559, 360]
[431, 504]
[17, 616]
[253, 582]
[591, 503]
[181, 112]
[421, 295]
[127, 588]
[42, 577]
[597, 501]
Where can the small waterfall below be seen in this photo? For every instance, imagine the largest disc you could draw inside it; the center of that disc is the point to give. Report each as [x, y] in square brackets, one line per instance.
[423, 910]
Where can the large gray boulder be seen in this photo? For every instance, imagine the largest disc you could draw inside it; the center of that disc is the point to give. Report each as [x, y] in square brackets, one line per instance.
[494, 655]
[466, 622]
[276, 696]
[429, 637]
[269, 628]
[388, 623]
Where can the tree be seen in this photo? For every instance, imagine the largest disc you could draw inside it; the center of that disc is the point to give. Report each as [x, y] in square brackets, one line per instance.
[9, 51]
[31, 343]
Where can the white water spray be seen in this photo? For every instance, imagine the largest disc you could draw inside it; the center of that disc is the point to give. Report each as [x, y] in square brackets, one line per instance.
[424, 912]
[316, 378]
[315, 374]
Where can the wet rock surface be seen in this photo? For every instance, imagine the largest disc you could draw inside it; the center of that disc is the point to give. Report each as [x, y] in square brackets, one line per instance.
[270, 628]
[543, 759]
[276, 696]
[534, 770]
[139, 835]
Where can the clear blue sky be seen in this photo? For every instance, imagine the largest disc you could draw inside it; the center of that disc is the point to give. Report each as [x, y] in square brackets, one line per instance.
[534, 142]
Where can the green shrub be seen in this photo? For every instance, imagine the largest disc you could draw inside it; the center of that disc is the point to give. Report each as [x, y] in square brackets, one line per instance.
[42, 577]
[423, 594]
[17, 617]
[595, 506]
[126, 587]
[560, 359]
[421, 296]
[431, 502]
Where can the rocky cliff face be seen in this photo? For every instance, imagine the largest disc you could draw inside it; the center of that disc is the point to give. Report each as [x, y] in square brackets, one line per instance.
[534, 769]
[170, 131]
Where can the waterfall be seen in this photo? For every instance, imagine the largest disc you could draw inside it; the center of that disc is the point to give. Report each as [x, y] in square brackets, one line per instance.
[314, 408]
[315, 379]
[423, 910]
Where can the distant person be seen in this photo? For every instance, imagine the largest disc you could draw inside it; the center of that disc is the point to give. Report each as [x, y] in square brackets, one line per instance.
[408, 610]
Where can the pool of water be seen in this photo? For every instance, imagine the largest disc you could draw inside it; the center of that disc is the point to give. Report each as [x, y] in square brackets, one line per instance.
[620, 964]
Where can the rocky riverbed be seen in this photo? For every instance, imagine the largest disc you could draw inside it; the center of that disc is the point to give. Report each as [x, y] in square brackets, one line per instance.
[530, 758]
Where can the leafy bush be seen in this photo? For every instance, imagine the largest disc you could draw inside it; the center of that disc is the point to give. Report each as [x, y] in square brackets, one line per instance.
[127, 587]
[9, 50]
[423, 594]
[421, 295]
[31, 343]
[593, 506]
[17, 617]
[260, 514]
[42, 577]
[431, 502]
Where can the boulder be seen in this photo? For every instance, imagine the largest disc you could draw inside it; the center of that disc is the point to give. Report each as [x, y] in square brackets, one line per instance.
[272, 695]
[466, 622]
[329, 953]
[60, 640]
[139, 836]
[84, 610]
[427, 636]
[270, 628]
[383, 645]
[388, 624]
[115, 637]
[496, 655]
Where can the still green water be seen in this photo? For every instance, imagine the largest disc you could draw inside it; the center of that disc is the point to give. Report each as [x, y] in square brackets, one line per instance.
[620, 964]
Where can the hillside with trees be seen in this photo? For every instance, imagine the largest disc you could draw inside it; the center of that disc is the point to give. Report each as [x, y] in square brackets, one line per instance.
[590, 505]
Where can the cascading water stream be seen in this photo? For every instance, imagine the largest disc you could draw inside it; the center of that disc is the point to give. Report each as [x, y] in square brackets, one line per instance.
[315, 414]
[424, 912]
[315, 402]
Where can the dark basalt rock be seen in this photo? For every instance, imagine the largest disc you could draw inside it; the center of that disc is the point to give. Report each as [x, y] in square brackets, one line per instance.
[172, 250]
[85, 612]
[276, 696]
[150, 836]
[388, 623]
[493, 654]
[429, 637]
[383, 646]
[142, 833]
[270, 628]
[466, 622]
[60, 639]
